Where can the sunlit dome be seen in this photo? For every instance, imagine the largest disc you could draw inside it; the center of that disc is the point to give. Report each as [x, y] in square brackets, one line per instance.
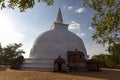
[56, 41]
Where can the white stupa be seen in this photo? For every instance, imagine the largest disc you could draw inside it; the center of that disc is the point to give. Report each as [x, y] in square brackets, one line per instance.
[50, 44]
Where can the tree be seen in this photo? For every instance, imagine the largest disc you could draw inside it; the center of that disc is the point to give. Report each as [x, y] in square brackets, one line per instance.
[16, 63]
[106, 20]
[115, 55]
[102, 58]
[1, 53]
[1, 50]
[11, 52]
[22, 4]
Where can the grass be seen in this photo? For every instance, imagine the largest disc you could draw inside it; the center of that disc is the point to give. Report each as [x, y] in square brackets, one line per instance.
[105, 74]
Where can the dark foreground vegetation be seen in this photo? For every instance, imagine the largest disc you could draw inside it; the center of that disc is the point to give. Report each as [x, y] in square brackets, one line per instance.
[11, 55]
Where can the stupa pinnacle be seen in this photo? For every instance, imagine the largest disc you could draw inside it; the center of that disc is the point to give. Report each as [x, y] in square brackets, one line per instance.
[59, 16]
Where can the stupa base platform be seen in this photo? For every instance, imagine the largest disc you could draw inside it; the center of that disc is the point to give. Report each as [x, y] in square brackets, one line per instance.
[39, 64]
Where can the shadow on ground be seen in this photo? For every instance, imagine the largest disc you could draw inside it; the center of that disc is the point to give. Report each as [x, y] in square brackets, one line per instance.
[107, 74]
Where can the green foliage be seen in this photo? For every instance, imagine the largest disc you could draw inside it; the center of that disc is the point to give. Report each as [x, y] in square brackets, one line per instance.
[1, 54]
[115, 55]
[1, 50]
[108, 60]
[9, 53]
[106, 20]
[102, 58]
[22, 4]
[16, 63]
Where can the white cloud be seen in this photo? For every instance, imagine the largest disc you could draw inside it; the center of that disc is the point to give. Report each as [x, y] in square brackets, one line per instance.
[74, 25]
[80, 34]
[90, 28]
[70, 7]
[64, 7]
[80, 10]
[8, 33]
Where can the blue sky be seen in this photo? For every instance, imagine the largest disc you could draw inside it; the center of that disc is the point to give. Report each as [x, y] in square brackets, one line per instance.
[25, 27]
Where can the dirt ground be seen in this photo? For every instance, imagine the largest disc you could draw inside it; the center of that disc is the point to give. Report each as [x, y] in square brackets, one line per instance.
[105, 74]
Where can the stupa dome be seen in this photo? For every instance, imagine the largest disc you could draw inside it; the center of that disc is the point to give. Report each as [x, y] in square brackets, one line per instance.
[56, 42]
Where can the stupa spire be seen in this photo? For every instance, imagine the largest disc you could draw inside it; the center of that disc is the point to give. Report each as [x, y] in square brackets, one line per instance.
[59, 16]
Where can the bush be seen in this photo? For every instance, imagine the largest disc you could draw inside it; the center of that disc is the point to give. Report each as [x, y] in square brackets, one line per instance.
[16, 63]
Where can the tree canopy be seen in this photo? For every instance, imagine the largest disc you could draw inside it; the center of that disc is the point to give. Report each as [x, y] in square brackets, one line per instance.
[106, 20]
[22, 4]
[9, 53]
[101, 58]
